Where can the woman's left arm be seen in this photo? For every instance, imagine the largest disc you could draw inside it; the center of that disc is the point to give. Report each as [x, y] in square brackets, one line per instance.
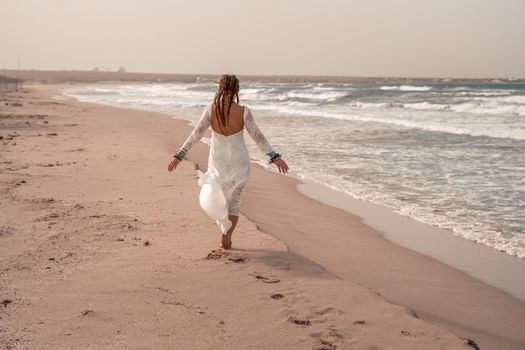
[256, 134]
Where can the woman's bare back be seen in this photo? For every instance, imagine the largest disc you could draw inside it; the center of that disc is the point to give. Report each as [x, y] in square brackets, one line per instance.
[235, 118]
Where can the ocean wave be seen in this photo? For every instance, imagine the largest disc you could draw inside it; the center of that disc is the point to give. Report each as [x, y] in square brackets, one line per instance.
[323, 88]
[427, 106]
[485, 107]
[470, 130]
[519, 99]
[327, 96]
[262, 96]
[489, 109]
[471, 127]
[253, 90]
[95, 92]
[484, 93]
[406, 88]
[374, 105]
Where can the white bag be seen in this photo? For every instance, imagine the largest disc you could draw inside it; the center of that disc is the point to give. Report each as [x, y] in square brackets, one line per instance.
[212, 201]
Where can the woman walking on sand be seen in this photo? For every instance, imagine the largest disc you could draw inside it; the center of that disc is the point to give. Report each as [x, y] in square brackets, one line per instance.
[228, 161]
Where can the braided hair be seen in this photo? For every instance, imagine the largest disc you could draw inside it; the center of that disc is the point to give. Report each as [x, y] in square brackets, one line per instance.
[228, 88]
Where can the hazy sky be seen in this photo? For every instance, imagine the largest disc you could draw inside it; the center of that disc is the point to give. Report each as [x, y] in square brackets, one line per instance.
[436, 38]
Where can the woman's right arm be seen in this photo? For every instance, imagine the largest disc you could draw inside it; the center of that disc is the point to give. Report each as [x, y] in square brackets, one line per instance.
[196, 135]
[198, 131]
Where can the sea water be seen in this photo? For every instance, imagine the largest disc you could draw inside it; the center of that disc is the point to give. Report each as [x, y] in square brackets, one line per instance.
[447, 154]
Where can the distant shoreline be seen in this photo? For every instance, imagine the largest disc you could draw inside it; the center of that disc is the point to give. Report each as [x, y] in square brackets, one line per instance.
[49, 76]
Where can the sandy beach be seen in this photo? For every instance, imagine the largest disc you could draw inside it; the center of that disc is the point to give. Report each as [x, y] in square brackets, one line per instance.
[102, 248]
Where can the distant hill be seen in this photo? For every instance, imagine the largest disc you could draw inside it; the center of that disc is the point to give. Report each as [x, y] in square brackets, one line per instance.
[105, 76]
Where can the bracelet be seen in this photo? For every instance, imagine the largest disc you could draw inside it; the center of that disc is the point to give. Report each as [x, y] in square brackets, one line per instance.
[180, 156]
[273, 157]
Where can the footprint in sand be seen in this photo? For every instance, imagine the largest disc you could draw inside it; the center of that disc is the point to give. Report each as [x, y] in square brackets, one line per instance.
[6, 230]
[324, 314]
[277, 296]
[321, 344]
[265, 279]
[324, 311]
[472, 343]
[321, 339]
[299, 321]
[44, 200]
[86, 312]
[216, 254]
[129, 227]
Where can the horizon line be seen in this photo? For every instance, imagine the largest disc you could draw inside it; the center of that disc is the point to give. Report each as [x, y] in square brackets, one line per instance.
[267, 76]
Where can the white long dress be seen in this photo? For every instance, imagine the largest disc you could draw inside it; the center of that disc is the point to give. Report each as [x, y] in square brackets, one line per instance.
[228, 166]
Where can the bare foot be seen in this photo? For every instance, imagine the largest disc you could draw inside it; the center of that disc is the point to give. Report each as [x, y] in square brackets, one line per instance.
[226, 242]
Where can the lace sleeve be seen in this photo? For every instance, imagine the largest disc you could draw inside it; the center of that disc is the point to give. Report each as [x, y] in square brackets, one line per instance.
[202, 125]
[255, 133]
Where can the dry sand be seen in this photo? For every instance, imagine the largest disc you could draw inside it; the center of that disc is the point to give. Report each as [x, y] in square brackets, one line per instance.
[102, 248]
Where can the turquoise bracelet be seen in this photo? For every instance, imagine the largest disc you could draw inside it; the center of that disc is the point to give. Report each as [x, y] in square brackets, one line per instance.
[180, 156]
[274, 156]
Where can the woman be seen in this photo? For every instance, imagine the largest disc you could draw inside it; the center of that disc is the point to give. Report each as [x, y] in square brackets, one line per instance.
[228, 162]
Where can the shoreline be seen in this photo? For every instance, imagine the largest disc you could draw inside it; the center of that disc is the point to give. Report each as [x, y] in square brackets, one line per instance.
[477, 260]
[303, 265]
